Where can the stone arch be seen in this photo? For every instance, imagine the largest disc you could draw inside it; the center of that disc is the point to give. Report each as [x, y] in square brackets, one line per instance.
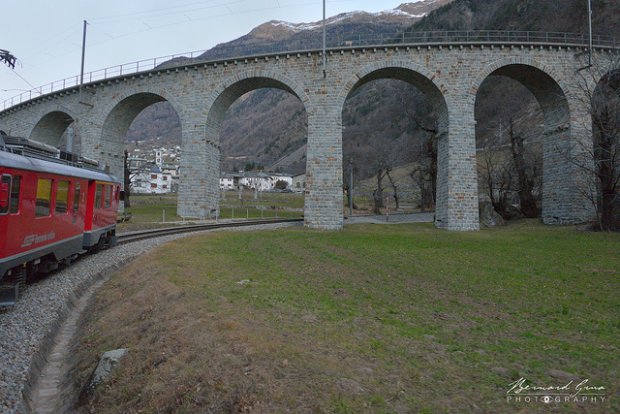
[429, 84]
[145, 93]
[608, 84]
[417, 75]
[545, 83]
[199, 185]
[236, 86]
[552, 92]
[605, 118]
[117, 118]
[51, 127]
[485, 72]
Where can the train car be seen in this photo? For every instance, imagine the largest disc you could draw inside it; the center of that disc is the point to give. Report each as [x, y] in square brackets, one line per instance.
[101, 208]
[50, 212]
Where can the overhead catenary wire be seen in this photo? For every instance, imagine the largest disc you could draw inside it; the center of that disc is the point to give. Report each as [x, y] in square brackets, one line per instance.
[148, 13]
[180, 12]
[152, 27]
[44, 44]
[103, 25]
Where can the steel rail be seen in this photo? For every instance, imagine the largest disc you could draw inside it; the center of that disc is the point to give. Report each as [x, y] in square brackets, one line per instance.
[335, 42]
[129, 237]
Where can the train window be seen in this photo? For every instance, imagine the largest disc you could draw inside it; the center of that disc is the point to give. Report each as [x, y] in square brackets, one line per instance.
[5, 188]
[15, 189]
[98, 194]
[44, 197]
[76, 197]
[108, 196]
[62, 196]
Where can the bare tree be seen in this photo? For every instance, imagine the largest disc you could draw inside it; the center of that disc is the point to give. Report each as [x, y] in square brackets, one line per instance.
[394, 187]
[497, 176]
[510, 173]
[527, 175]
[387, 157]
[384, 171]
[425, 172]
[377, 194]
[600, 162]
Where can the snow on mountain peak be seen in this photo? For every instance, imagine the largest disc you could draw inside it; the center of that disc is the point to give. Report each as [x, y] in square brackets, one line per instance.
[404, 12]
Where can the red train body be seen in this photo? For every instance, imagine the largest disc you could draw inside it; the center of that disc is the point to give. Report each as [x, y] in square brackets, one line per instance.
[49, 213]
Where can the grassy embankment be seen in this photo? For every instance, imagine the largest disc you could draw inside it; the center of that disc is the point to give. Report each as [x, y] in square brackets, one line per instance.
[373, 319]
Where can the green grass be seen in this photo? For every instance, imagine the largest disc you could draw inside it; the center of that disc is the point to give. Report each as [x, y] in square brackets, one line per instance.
[161, 210]
[395, 318]
[264, 199]
[150, 208]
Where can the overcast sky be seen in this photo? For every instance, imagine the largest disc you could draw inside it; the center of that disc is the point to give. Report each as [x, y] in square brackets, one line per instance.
[46, 36]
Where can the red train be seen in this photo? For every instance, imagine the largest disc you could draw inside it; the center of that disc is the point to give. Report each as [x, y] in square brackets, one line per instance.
[51, 210]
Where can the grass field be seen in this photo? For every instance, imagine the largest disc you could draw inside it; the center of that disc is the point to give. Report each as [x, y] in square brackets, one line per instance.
[372, 319]
[161, 210]
[152, 210]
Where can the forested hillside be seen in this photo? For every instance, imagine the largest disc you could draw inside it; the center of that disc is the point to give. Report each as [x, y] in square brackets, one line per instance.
[534, 15]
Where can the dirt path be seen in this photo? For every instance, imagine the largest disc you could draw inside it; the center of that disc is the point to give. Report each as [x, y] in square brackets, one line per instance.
[50, 393]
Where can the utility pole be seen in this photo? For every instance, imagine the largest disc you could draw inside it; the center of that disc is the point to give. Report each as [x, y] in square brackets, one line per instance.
[83, 54]
[324, 43]
[350, 168]
[590, 30]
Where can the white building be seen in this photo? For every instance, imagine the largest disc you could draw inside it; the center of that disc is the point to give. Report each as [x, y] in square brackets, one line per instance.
[254, 180]
[298, 183]
[287, 178]
[257, 180]
[229, 181]
[153, 181]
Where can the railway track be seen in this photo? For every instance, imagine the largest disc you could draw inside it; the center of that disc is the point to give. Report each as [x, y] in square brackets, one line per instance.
[129, 237]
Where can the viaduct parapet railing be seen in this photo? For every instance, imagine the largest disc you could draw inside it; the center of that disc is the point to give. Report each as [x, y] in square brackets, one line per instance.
[336, 42]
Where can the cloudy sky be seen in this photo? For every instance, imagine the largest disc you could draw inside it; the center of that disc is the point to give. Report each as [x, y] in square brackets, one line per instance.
[46, 36]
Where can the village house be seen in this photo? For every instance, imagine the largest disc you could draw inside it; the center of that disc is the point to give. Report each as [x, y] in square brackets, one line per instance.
[254, 180]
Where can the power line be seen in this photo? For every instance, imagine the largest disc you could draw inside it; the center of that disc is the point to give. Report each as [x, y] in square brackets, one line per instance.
[24, 79]
[49, 41]
[194, 19]
[180, 10]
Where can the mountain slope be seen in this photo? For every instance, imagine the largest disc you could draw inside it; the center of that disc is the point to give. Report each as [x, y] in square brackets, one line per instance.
[268, 127]
[534, 15]
[278, 35]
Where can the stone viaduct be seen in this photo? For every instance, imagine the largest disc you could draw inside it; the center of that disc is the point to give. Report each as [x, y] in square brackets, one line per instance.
[448, 73]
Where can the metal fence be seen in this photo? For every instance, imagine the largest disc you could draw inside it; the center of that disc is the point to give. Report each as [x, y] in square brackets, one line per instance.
[335, 42]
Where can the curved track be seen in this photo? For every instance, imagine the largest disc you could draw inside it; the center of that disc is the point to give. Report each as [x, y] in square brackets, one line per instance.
[133, 236]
